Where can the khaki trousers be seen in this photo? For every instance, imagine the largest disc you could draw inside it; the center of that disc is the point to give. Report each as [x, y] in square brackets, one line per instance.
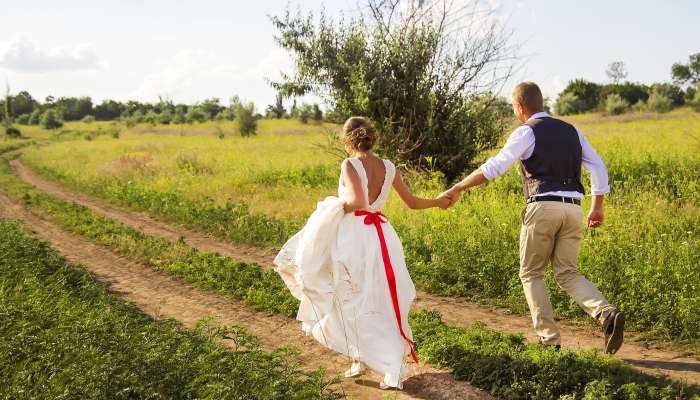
[552, 231]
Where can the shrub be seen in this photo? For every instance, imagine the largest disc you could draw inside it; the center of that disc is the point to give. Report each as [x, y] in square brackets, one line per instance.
[305, 113]
[179, 118]
[630, 92]
[195, 114]
[695, 102]
[639, 106]
[225, 115]
[588, 94]
[35, 117]
[414, 77]
[23, 119]
[615, 104]
[165, 117]
[569, 103]
[245, 117]
[51, 120]
[150, 118]
[660, 103]
[673, 92]
[88, 119]
[13, 132]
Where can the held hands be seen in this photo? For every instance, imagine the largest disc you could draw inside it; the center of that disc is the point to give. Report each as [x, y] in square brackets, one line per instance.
[448, 198]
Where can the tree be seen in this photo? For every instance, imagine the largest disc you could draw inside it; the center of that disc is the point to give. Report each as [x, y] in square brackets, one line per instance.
[74, 108]
[277, 110]
[587, 97]
[616, 71]
[687, 73]
[211, 107]
[245, 118]
[51, 119]
[305, 112]
[108, 110]
[423, 72]
[631, 92]
[317, 113]
[23, 103]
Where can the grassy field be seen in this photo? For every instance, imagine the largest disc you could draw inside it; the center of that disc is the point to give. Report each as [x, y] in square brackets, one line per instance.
[502, 364]
[64, 336]
[260, 189]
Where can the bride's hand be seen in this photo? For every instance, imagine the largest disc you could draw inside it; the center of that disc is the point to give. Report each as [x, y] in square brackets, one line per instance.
[453, 195]
[445, 200]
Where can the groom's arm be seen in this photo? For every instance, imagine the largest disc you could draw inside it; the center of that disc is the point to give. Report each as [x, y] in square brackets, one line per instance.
[599, 181]
[520, 142]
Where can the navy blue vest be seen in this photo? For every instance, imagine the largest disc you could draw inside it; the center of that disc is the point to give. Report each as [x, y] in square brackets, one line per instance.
[555, 163]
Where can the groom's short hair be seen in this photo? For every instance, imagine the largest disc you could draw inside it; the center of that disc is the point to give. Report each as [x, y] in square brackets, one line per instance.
[529, 94]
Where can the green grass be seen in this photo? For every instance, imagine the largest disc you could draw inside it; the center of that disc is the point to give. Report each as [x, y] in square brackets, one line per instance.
[260, 190]
[64, 336]
[502, 364]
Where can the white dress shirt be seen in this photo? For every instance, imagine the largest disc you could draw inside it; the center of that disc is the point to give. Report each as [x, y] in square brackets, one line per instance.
[520, 146]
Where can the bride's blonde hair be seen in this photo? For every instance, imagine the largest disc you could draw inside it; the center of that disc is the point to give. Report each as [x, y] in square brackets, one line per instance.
[359, 134]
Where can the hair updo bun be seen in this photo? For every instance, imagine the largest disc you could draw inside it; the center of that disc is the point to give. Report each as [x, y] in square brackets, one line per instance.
[359, 134]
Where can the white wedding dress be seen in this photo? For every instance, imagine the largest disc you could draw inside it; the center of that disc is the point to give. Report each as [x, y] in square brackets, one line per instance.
[336, 268]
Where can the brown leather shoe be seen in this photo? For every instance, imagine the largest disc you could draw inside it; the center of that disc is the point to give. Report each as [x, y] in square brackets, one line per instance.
[614, 329]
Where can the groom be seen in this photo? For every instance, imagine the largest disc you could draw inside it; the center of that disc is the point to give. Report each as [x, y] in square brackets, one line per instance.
[550, 153]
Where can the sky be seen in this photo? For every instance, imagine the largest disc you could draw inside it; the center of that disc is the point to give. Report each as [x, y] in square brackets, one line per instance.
[191, 50]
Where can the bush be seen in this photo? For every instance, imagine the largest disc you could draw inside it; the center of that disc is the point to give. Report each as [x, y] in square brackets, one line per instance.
[587, 93]
[615, 104]
[165, 117]
[51, 120]
[179, 118]
[569, 103]
[673, 92]
[13, 132]
[660, 103]
[639, 106]
[225, 115]
[425, 86]
[35, 117]
[630, 92]
[88, 119]
[245, 117]
[23, 119]
[695, 102]
[195, 114]
[150, 118]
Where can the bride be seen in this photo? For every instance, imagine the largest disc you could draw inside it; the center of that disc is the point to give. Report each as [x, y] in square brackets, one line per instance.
[347, 265]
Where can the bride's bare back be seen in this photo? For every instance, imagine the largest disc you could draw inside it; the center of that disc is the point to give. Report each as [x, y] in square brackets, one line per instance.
[376, 174]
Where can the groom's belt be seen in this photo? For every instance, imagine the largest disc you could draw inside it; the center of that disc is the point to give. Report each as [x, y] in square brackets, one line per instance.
[560, 199]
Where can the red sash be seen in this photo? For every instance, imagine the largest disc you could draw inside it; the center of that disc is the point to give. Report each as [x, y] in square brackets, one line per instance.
[376, 219]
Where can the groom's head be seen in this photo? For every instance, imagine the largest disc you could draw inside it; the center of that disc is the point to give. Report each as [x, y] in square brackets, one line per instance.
[527, 100]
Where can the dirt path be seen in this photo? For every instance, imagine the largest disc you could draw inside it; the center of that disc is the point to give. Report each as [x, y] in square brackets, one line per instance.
[649, 358]
[162, 296]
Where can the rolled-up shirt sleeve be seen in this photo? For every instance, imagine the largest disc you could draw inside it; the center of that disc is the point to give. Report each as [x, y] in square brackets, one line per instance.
[520, 142]
[595, 166]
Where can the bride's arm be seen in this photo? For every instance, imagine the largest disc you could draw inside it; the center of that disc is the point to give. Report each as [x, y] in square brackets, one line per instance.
[417, 203]
[356, 200]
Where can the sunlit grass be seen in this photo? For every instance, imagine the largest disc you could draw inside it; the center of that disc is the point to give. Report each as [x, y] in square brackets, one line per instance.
[643, 259]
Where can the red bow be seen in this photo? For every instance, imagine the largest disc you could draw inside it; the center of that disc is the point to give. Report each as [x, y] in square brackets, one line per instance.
[376, 219]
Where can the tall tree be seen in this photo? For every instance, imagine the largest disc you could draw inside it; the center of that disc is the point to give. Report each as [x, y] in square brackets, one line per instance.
[687, 73]
[616, 71]
[424, 72]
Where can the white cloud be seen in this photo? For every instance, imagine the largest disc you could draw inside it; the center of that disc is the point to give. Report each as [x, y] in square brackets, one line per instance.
[191, 75]
[182, 74]
[21, 55]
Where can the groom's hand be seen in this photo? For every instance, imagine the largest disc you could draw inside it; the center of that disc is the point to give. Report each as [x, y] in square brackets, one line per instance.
[595, 217]
[453, 194]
